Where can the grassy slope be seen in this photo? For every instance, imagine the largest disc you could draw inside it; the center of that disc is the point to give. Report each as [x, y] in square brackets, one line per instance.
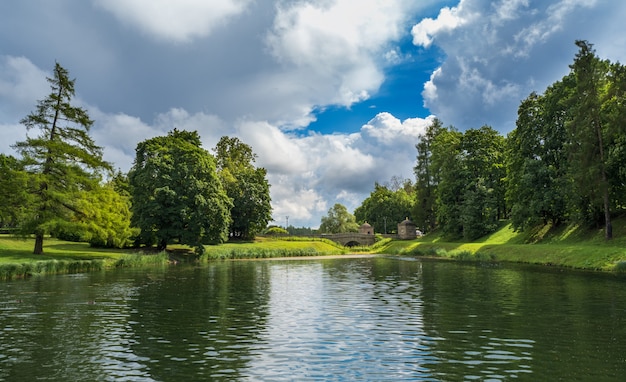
[567, 246]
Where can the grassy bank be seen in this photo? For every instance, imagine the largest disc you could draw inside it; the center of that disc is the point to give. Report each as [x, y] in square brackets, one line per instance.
[18, 261]
[566, 246]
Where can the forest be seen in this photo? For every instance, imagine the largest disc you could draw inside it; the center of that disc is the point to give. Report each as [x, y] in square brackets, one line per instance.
[561, 164]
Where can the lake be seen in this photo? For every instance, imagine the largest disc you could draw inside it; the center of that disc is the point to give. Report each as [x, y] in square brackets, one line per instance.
[368, 318]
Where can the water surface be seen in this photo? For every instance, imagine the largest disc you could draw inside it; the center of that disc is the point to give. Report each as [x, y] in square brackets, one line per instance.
[339, 319]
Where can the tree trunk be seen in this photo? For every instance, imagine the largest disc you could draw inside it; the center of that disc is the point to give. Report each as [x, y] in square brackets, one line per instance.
[38, 244]
[608, 226]
[162, 245]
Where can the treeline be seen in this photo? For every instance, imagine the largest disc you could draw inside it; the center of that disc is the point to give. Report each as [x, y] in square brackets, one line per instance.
[175, 192]
[564, 162]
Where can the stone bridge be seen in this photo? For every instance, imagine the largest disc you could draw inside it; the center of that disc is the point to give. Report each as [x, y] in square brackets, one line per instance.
[351, 239]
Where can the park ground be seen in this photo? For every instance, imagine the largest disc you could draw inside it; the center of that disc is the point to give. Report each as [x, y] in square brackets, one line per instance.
[566, 247]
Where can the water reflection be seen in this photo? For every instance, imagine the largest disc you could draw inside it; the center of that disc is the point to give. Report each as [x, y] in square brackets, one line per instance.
[344, 319]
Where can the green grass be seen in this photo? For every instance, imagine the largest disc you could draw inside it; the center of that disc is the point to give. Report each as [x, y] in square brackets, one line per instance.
[18, 261]
[273, 247]
[564, 246]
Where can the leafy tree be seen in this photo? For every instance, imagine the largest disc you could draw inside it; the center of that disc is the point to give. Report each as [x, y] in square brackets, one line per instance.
[589, 135]
[385, 208]
[470, 174]
[63, 158]
[424, 213]
[14, 195]
[448, 166]
[483, 198]
[105, 220]
[176, 193]
[537, 186]
[614, 110]
[338, 220]
[246, 186]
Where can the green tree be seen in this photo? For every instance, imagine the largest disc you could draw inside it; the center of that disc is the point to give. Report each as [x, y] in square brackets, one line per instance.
[14, 192]
[105, 220]
[470, 173]
[589, 135]
[424, 214]
[177, 194]
[338, 220]
[452, 179]
[384, 208]
[537, 182]
[63, 158]
[614, 110]
[482, 156]
[246, 186]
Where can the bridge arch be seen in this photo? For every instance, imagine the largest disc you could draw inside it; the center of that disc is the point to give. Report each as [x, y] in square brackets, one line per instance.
[352, 239]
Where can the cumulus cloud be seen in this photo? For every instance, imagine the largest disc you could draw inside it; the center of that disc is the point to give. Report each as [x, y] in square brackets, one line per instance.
[120, 133]
[180, 20]
[390, 131]
[447, 21]
[338, 42]
[498, 52]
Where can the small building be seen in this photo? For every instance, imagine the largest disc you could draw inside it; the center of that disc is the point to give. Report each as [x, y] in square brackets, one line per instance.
[366, 229]
[407, 230]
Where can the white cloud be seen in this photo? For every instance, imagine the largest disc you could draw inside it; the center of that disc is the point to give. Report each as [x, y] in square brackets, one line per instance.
[498, 52]
[21, 85]
[180, 20]
[341, 43]
[448, 20]
[390, 131]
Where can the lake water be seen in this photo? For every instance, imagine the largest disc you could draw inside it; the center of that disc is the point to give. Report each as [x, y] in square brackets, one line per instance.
[328, 319]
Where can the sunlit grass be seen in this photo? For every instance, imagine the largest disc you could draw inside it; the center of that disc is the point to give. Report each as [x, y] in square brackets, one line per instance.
[565, 246]
[13, 249]
[271, 248]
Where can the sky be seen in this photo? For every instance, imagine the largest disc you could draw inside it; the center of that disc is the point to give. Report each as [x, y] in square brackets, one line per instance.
[331, 95]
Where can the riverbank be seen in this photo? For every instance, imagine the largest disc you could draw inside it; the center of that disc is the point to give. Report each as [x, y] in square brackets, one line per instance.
[567, 247]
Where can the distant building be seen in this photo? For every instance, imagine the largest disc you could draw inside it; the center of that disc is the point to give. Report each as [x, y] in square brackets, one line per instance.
[407, 230]
[366, 229]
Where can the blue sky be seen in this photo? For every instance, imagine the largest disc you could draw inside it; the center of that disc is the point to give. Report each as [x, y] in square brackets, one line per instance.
[331, 94]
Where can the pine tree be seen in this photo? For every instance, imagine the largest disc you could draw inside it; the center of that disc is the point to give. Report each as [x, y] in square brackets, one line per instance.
[63, 158]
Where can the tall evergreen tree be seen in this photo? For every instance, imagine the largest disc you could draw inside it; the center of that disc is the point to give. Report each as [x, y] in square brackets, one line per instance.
[63, 157]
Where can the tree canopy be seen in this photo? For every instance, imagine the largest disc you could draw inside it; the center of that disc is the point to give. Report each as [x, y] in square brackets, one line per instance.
[177, 194]
[338, 220]
[246, 186]
[384, 208]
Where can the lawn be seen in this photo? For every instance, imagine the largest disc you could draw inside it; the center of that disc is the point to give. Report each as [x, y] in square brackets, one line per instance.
[566, 246]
